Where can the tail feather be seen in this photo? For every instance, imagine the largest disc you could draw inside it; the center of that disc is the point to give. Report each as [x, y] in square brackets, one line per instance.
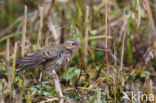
[25, 61]
[28, 59]
[26, 66]
[32, 60]
[28, 62]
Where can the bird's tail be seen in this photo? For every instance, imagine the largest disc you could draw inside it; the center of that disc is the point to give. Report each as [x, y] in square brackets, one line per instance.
[25, 66]
[28, 62]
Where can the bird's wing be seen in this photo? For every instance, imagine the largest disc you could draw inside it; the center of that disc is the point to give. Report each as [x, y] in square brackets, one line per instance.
[48, 53]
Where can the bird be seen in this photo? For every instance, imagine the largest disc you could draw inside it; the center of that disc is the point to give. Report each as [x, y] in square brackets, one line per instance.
[52, 57]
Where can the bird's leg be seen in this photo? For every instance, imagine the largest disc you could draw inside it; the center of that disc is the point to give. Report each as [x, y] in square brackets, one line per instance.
[42, 75]
[40, 78]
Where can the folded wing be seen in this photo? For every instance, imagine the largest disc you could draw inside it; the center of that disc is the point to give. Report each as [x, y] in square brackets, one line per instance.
[39, 57]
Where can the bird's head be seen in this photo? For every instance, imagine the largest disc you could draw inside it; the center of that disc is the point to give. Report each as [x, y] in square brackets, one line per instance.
[73, 44]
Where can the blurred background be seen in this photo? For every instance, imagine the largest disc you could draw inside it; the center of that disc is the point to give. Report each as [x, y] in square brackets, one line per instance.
[118, 46]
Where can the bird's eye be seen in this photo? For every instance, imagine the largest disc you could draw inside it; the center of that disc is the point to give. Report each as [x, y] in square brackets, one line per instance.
[73, 43]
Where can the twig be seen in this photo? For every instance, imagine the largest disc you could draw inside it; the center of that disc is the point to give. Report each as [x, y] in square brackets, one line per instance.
[53, 30]
[58, 88]
[7, 53]
[62, 29]
[139, 14]
[23, 44]
[40, 27]
[7, 59]
[8, 29]
[150, 16]
[49, 10]
[86, 40]
[47, 38]
[114, 56]
[101, 49]
[122, 51]
[24, 31]
[97, 37]
[106, 32]
[123, 30]
[49, 100]
[14, 62]
[152, 23]
[13, 73]
[10, 36]
[57, 85]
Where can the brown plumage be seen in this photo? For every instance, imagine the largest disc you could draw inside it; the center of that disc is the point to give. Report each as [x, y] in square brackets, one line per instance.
[52, 57]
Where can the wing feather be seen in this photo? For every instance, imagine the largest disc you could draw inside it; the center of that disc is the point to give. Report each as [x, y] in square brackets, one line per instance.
[46, 54]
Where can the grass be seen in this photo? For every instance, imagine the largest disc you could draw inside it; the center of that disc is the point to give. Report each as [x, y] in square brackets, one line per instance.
[116, 55]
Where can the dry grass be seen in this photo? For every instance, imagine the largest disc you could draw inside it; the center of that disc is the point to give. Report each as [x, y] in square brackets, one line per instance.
[117, 54]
